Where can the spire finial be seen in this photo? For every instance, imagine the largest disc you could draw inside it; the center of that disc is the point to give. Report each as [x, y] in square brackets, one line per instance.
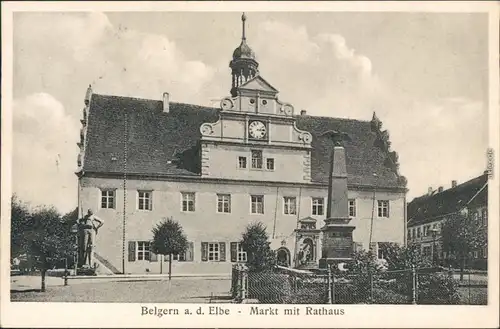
[243, 19]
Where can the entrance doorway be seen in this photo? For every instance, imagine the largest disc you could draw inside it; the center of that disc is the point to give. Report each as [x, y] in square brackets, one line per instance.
[283, 257]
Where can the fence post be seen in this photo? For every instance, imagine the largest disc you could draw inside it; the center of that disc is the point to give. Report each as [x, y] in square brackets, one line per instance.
[414, 285]
[469, 286]
[328, 283]
[244, 284]
[371, 284]
[66, 271]
[333, 288]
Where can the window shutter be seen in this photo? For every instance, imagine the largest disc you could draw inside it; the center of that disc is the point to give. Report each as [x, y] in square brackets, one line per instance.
[189, 252]
[222, 248]
[234, 251]
[131, 251]
[204, 251]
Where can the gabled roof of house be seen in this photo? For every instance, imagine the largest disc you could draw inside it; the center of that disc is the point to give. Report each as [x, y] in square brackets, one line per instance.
[161, 143]
[427, 208]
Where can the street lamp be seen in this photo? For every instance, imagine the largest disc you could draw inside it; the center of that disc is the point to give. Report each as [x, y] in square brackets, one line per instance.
[434, 234]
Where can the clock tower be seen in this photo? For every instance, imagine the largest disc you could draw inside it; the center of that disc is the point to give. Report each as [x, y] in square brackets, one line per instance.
[244, 65]
[255, 136]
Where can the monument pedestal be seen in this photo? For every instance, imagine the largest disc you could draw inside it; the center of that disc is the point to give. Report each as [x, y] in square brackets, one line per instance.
[337, 246]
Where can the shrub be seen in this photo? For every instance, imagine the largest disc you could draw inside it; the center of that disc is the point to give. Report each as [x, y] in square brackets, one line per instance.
[269, 287]
[437, 288]
[385, 296]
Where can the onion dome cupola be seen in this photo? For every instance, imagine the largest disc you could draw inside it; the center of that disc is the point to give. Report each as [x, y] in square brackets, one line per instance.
[243, 66]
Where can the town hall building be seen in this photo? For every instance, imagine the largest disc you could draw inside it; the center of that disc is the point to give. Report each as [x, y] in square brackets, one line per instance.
[216, 170]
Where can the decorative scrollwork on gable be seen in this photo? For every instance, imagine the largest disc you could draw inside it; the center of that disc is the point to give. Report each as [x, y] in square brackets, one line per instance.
[305, 137]
[207, 129]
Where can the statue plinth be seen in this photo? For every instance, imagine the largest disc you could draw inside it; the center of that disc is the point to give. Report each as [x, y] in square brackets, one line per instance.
[337, 243]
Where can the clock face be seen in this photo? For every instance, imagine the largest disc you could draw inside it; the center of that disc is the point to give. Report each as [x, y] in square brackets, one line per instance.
[257, 129]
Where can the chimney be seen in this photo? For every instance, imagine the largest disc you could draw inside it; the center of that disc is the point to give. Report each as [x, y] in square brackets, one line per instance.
[440, 189]
[303, 112]
[88, 95]
[166, 103]
[453, 183]
[429, 190]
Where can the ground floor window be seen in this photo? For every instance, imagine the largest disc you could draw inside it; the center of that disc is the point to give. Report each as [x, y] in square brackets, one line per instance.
[213, 251]
[426, 251]
[141, 250]
[237, 252]
[186, 256]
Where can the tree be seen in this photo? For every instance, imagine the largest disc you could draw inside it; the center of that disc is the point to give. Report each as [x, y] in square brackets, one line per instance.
[46, 238]
[404, 257]
[255, 241]
[18, 225]
[461, 236]
[169, 239]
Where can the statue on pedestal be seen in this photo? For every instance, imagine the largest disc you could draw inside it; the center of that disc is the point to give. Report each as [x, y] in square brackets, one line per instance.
[88, 227]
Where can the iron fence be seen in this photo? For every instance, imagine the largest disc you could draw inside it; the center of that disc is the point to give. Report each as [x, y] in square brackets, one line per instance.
[431, 285]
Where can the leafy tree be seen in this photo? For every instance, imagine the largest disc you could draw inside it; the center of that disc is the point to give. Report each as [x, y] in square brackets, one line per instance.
[169, 239]
[461, 236]
[46, 238]
[255, 241]
[19, 223]
[404, 257]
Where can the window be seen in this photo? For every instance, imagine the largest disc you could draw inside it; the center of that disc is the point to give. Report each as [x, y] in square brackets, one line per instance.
[318, 206]
[108, 199]
[213, 251]
[485, 216]
[290, 205]
[224, 203]
[242, 162]
[475, 254]
[186, 256]
[352, 208]
[237, 252]
[256, 159]
[419, 232]
[257, 204]
[426, 250]
[270, 164]
[476, 217]
[485, 252]
[144, 200]
[383, 208]
[409, 234]
[188, 200]
[382, 249]
[143, 250]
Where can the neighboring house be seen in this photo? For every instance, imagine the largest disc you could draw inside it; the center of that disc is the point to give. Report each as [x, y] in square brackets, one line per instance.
[427, 213]
[217, 170]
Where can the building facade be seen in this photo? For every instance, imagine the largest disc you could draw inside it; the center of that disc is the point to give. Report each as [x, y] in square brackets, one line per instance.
[428, 213]
[216, 170]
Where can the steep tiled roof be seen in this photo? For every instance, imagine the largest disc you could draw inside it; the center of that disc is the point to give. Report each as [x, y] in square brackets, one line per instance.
[168, 143]
[428, 207]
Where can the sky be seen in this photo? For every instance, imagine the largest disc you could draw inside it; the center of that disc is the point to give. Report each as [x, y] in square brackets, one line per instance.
[424, 74]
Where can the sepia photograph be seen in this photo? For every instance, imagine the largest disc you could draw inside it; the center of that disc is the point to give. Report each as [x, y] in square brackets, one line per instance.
[310, 158]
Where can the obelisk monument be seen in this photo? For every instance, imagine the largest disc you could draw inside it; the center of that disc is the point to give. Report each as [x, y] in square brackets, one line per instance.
[337, 243]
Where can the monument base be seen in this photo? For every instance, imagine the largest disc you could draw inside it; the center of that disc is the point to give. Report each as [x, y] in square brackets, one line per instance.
[324, 263]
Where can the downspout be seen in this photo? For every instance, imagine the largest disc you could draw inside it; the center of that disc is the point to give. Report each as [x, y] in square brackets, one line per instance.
[275, 213]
